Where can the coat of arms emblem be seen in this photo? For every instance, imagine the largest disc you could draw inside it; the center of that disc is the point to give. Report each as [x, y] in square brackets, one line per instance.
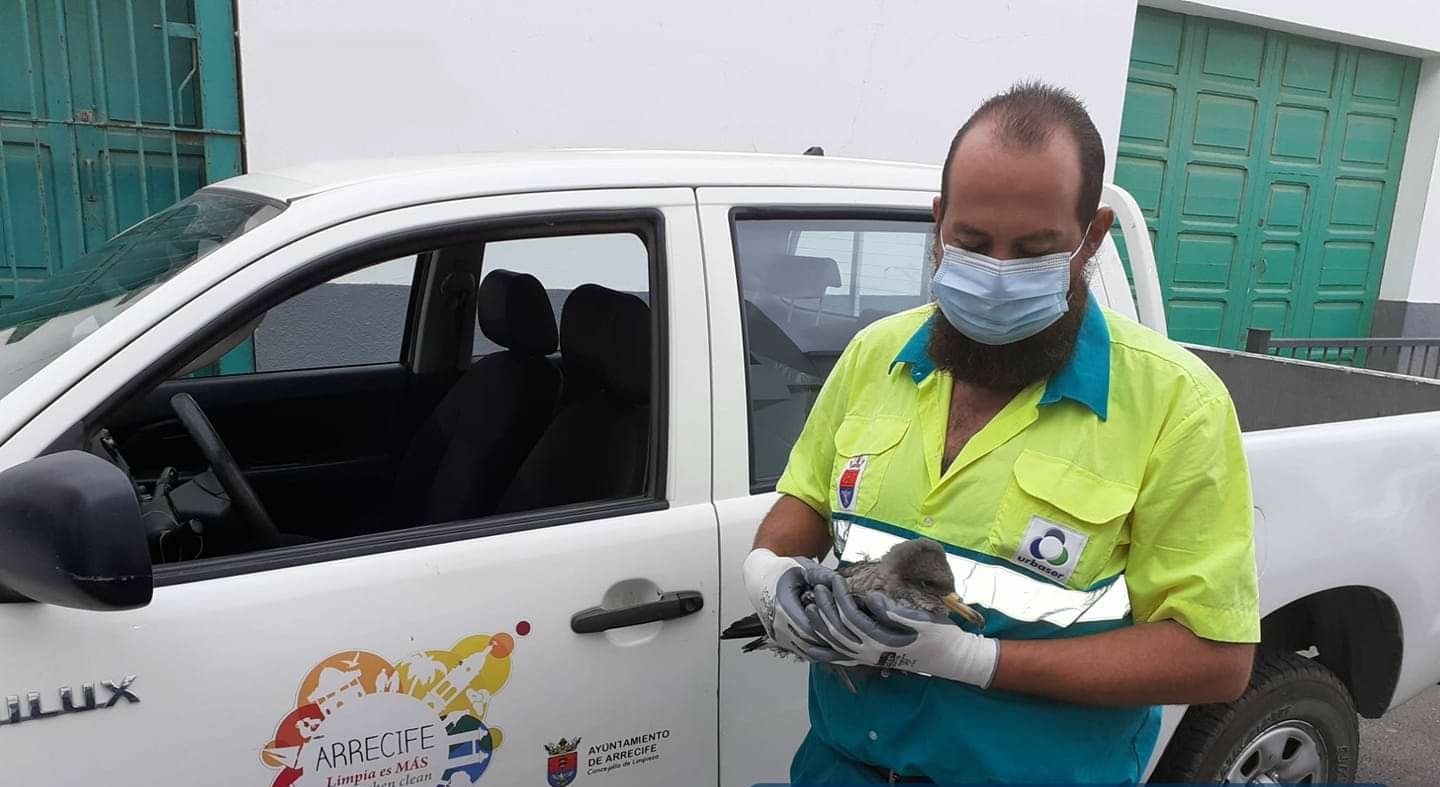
[563, 763]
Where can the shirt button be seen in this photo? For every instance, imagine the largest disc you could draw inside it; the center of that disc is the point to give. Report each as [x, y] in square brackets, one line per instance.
[874, 736]
[884, 673]
[929, 520]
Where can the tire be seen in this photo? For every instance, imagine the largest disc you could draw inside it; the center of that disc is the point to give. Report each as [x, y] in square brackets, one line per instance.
[1295, 715]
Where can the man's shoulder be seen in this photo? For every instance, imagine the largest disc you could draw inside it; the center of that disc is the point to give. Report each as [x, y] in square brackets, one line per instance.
[1148, 359]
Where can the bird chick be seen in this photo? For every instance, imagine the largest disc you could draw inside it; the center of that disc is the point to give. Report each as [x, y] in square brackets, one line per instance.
[914, 573]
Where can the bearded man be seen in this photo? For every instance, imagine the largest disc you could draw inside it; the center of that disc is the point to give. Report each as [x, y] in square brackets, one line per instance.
[1084, 474]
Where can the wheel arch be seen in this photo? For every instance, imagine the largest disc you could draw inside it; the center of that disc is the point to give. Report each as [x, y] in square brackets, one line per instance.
[1356, 631]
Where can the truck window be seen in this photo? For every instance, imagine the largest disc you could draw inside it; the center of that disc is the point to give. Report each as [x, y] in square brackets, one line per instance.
[872, 264]
[345, 430]
[353, 320]
[53, 315]
[617, 260]
[807, 286]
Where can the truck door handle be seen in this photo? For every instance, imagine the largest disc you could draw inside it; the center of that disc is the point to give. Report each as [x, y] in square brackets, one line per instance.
[670, 605]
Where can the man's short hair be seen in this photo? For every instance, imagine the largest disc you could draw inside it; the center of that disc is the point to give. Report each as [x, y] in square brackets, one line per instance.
[1025, 116]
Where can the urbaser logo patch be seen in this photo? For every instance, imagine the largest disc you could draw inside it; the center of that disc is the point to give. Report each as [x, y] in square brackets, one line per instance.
[1050, 548]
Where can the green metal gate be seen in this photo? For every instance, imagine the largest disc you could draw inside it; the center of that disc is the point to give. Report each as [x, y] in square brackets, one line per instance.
[1267, 166]
[110, 110]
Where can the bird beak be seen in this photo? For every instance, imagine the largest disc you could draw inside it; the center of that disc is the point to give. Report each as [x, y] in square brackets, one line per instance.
[954, 604]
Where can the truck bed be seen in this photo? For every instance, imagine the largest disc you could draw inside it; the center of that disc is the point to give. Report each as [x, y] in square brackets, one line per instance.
[1274, 393]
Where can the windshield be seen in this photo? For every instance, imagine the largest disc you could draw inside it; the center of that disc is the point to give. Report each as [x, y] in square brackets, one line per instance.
[54, 314]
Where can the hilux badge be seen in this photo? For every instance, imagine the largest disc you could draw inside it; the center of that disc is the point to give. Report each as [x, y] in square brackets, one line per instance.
[33, 707]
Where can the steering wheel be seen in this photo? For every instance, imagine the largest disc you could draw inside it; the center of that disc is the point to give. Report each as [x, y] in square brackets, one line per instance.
[259, 526]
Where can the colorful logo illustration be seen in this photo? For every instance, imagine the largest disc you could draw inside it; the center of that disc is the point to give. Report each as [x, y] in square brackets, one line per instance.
[1050, 548]
[850, 481]
[563, 763]
[361, 720]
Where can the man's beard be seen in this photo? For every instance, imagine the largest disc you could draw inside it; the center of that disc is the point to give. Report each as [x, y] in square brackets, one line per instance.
[1010, 367]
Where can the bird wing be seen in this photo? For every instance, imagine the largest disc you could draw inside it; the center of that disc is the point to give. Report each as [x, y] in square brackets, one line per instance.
[747, 627]
[754, 645]
[861, 578]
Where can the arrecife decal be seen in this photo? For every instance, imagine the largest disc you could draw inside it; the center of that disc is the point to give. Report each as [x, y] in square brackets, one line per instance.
[360, 720]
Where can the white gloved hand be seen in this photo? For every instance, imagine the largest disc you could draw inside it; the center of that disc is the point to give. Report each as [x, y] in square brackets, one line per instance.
[777, 586]
[874, 629]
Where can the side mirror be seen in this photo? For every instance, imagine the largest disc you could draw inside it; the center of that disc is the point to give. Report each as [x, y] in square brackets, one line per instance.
[71, 534]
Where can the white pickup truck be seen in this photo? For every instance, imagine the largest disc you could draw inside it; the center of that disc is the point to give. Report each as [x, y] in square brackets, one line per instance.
[475, 509]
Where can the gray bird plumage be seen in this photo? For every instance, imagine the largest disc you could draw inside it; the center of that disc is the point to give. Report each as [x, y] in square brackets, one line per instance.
[914, 573]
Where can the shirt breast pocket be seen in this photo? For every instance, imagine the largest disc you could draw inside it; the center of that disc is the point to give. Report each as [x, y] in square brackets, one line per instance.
[865, 448]
[1060, 519]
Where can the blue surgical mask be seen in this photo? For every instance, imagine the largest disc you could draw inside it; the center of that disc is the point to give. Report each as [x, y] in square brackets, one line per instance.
[1002, 301]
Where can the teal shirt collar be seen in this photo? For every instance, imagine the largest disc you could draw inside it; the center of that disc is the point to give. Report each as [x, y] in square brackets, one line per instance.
[1085, 378]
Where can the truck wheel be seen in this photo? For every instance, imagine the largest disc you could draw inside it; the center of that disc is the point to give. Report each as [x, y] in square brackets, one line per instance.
[1295, 724]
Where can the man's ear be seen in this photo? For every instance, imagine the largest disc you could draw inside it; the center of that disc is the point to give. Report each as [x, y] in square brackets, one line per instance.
[1104, 219]
[935, 211]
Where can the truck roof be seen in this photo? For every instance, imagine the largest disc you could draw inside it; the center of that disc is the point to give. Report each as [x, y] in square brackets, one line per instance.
[478, 174]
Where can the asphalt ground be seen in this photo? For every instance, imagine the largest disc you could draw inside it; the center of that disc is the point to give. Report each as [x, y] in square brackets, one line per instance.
[1402, 749]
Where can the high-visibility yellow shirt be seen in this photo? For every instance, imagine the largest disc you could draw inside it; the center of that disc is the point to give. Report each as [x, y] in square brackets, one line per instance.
[1115, 492]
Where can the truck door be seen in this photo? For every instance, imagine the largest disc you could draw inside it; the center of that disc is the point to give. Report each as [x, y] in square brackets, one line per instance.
[566, 634]
[813, 266]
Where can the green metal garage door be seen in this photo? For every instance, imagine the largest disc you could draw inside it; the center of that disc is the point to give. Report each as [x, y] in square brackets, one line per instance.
[1267, 166]
[110, 110]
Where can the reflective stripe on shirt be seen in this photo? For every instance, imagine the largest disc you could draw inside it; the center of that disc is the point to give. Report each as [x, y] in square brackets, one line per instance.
[1018, 596]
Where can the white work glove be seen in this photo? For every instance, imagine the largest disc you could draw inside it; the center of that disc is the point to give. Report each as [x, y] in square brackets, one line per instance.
[777, 587]
[876, 630]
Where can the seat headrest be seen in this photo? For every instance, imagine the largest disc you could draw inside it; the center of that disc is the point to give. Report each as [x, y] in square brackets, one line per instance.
[515, 312]
[605, 337]
[793, 276]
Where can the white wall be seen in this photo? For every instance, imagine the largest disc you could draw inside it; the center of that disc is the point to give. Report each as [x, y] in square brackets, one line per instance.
[872, 78]
[1412, 261]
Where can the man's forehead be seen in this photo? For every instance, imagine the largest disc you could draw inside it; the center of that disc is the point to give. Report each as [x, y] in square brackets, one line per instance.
[986, 168]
